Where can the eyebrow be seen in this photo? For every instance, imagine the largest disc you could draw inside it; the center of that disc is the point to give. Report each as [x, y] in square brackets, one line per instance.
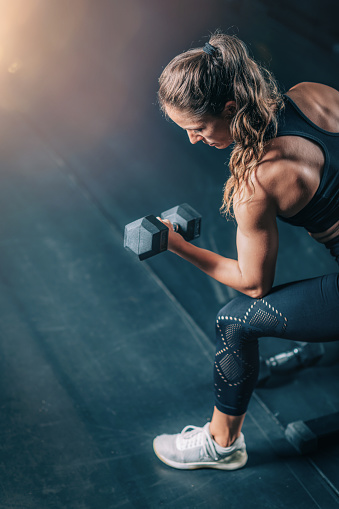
[193, 128]
[199, 126]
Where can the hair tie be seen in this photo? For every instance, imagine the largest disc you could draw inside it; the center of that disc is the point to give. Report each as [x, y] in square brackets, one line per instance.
[209, 49]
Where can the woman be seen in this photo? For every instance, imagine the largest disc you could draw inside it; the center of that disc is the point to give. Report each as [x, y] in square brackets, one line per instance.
[285, 163]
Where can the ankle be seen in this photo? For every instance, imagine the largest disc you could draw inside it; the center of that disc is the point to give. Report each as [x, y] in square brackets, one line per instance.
[225, 429]
[224, 440]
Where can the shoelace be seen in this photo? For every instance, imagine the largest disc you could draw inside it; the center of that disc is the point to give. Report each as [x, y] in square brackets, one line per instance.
[198, 437]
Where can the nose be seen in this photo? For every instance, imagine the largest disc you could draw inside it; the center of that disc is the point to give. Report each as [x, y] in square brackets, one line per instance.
[194, 137]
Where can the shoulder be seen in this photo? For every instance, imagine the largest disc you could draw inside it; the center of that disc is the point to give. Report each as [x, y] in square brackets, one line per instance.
[277, 185]
[254, 206]
[319, 102]
[315, 91]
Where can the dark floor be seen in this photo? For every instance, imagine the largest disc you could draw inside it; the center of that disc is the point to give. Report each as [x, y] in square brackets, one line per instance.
[100, 352]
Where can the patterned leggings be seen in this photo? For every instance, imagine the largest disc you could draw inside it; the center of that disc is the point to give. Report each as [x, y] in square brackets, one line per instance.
[301, 311]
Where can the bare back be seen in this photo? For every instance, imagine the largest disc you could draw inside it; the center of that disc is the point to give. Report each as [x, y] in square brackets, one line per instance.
[292, 167]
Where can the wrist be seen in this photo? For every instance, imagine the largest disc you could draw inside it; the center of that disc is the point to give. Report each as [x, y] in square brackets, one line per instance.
[179, 245]
[176, 243]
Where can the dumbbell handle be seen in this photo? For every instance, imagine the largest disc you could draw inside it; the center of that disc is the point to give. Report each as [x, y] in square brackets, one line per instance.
[176, 227]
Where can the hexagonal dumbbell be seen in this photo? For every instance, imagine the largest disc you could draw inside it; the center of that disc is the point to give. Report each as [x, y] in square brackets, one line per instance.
[148, 236]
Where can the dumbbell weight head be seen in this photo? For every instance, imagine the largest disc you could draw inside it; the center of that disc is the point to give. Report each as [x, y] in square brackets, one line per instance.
[187, 219]
[146, 237]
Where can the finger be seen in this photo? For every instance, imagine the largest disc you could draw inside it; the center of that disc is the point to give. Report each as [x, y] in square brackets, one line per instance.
[167, 222]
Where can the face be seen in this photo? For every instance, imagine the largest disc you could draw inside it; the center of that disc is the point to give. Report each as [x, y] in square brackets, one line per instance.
[213, 131]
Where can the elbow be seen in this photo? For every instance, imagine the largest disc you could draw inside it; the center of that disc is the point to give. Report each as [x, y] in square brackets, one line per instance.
[256, 294]
[258, 291]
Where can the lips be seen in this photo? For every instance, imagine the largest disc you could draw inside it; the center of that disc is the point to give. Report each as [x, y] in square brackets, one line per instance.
[210, 144]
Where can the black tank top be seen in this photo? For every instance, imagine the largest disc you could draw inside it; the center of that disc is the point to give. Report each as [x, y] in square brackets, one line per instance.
[322, 211]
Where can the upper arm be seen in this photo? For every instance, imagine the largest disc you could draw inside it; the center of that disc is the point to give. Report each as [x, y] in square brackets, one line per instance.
[257, 243]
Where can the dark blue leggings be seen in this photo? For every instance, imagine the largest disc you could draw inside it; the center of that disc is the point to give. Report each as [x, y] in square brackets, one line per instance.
[301, 311]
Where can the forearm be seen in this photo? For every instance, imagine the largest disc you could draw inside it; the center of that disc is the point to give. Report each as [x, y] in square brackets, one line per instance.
[225, 270]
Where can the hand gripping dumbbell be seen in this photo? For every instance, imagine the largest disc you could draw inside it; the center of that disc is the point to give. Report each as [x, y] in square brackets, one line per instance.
[148, 236]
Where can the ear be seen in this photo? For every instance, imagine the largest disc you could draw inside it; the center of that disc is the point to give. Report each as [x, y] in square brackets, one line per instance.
[230, 109]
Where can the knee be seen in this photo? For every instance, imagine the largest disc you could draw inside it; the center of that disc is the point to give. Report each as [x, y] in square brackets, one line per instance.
[234, 310]
[231, 327]
[253, 317]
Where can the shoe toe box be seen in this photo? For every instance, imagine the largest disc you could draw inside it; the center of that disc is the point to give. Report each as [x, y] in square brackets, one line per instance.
[165, 447]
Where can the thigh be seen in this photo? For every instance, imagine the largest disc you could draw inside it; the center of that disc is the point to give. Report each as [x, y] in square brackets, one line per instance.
[301, 311]
[311, 308]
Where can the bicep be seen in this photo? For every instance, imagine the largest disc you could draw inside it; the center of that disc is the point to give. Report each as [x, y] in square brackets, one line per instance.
[257, 245]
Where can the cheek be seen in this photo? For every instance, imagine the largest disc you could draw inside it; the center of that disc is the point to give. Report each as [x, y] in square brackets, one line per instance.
[222, 133]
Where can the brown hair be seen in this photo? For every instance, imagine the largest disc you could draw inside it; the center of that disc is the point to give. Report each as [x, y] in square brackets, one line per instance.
[201, 84]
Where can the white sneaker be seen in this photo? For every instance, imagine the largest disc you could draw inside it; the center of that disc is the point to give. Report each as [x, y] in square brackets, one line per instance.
[195, 448]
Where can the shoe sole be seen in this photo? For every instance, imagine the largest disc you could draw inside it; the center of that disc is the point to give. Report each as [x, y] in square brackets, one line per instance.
[230, 464]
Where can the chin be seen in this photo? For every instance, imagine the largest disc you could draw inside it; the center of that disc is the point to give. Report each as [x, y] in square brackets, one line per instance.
[226, 144]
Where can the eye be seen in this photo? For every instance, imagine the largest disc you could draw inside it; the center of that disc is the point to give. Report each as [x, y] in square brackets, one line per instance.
[198, 130]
